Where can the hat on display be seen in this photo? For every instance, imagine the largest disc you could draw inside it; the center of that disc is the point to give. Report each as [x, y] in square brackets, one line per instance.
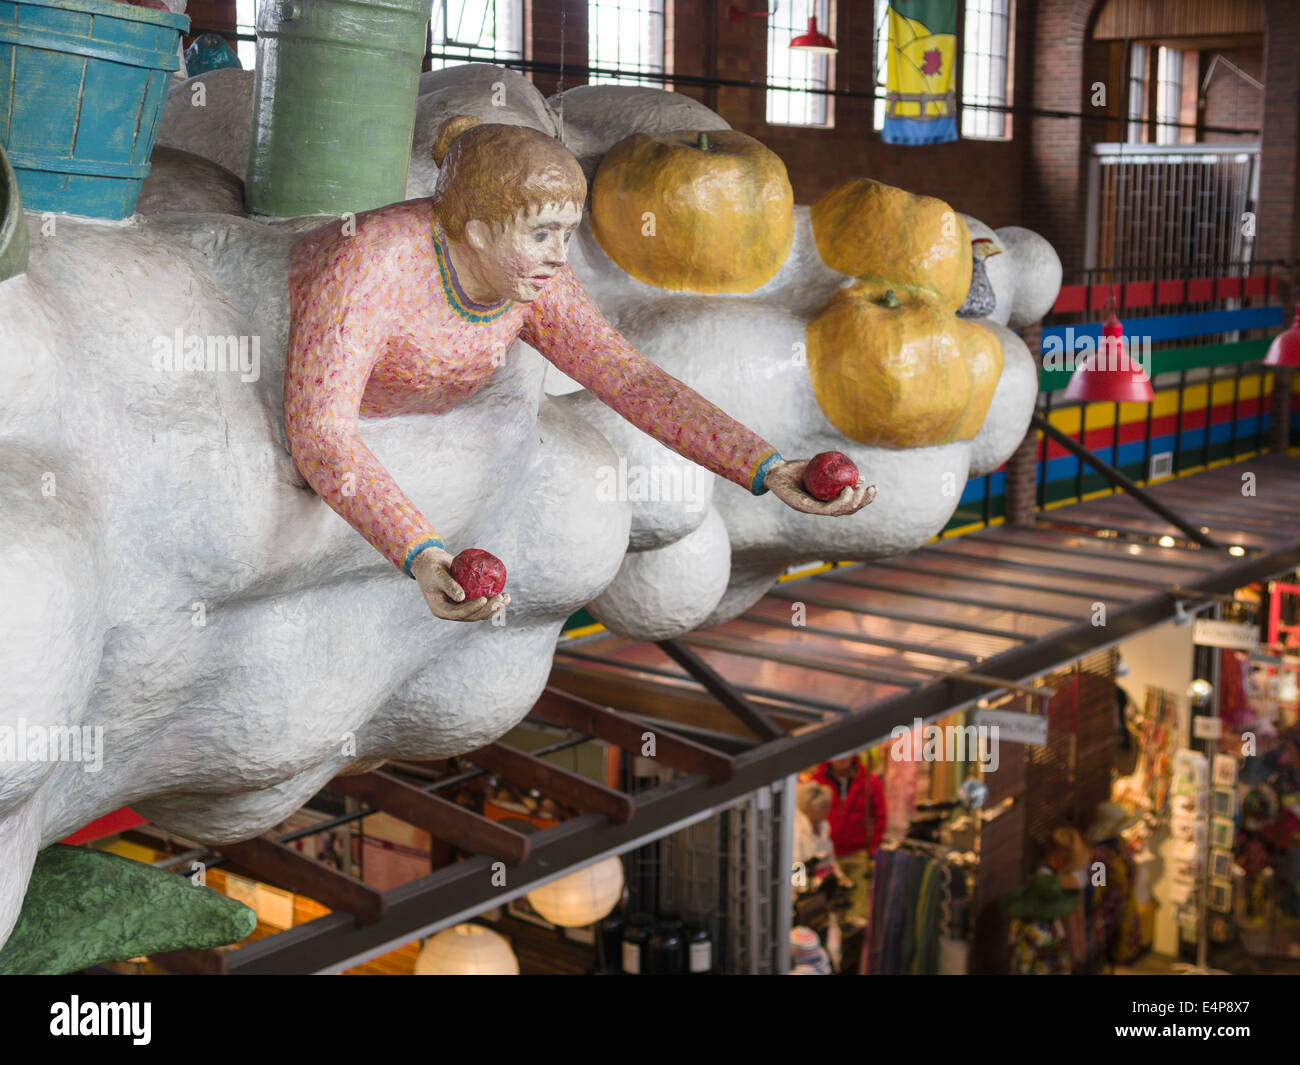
[1041, 899]
[1109, 820]
[1258, 808]
[1253, 771]
[1067, 850]
[806, 950]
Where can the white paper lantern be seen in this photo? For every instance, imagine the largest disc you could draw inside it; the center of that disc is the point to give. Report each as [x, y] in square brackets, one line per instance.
[467, 950]
[581, 898]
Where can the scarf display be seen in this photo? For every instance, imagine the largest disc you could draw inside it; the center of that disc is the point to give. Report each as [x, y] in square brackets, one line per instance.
[918, 911]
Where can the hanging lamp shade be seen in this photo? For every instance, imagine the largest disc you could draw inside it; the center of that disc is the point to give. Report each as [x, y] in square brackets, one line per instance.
[1285, 349]
[467, 950]
[581, 898]
[1109, 375]
[814, 40]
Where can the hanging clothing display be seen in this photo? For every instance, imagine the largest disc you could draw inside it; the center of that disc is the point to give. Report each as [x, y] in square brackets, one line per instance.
[1040, 940]
[1116, 901]
[918, 912]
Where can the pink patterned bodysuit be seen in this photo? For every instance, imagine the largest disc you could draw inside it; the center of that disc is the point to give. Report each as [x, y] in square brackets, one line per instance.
[379, 326]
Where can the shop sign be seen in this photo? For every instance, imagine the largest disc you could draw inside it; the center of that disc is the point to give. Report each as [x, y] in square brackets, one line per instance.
[1210, 633]
[1014, 727]
[1207, 727]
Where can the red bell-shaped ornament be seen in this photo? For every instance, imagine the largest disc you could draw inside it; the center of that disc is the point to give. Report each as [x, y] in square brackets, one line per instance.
[1108, 375]
[1285, 349]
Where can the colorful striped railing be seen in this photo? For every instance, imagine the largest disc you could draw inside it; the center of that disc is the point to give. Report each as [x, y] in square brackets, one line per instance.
[1219, 322]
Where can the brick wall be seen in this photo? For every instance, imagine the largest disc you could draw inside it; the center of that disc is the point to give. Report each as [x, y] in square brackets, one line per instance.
[981, 178]
[216, 15]
[1230, 100]
[1037, 179]
[542, 32]
[1279, 218]
[1067, 63]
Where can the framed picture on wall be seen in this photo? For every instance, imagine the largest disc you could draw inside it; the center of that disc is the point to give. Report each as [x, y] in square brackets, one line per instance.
[1221, 830]
[1225, 771]
[585, 935]
[1221, 864]
[1220, 895]
[523, 909]
[1223, 802]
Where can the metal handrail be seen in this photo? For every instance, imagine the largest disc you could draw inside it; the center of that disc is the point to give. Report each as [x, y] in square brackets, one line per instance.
[1118, 479]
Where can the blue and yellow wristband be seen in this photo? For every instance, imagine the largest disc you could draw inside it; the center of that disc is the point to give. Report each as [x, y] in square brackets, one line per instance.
[756, 484]
[416, 548]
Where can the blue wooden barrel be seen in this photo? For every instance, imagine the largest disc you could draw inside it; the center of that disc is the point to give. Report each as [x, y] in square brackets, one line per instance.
[81, 97]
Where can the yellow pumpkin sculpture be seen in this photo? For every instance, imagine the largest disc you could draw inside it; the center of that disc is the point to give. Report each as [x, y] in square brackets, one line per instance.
[870, 230]
[891, 364]
[894, 367]
[694, 211]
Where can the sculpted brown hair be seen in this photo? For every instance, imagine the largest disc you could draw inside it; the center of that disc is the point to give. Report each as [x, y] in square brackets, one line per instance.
[494, 172]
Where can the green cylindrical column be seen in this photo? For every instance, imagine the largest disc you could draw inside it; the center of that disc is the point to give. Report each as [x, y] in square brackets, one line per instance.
[333, 104]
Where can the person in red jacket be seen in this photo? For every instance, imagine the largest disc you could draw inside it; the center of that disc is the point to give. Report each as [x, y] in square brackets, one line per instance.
[857, 823]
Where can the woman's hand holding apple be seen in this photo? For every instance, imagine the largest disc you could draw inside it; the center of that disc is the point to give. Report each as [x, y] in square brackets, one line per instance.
[786, 481]
[446, 598]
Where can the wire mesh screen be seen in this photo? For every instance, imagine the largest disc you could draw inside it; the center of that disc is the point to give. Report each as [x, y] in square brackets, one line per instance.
[1157, 207]
[723, 872]
[754, 832]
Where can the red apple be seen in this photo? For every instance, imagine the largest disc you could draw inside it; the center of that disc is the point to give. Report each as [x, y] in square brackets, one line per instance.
[828, 474]
[479, 573]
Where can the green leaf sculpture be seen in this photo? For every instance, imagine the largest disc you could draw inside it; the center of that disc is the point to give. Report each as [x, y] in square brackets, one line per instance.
[86, 907]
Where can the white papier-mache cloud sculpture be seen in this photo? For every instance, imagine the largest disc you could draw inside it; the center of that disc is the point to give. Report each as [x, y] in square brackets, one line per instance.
[172, 587]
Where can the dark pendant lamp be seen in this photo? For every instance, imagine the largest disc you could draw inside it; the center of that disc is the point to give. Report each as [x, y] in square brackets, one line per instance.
[811, 41]
[1109, 376]
[1285, 349]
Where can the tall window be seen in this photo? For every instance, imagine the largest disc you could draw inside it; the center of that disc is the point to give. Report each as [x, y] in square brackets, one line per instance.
[626, 35]
[882, 62]
[986, 69]
[1169, 94]
[1137, 94]
[475, 31]
[794, 77]
[246, 22]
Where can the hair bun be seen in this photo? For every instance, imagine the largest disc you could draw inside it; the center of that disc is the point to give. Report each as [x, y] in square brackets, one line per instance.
[447, 134]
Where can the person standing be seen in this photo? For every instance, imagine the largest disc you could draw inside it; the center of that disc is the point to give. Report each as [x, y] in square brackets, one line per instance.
[857, 823]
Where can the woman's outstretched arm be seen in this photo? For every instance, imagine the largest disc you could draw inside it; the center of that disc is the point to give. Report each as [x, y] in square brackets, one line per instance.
[565, 325]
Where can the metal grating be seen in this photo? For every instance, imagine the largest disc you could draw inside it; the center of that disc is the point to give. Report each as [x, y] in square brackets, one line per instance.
[1159, 206]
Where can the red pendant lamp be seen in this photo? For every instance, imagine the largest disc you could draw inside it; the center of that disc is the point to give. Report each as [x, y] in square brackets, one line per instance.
[813, 41]
[1108, 375]
[1285, 349]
